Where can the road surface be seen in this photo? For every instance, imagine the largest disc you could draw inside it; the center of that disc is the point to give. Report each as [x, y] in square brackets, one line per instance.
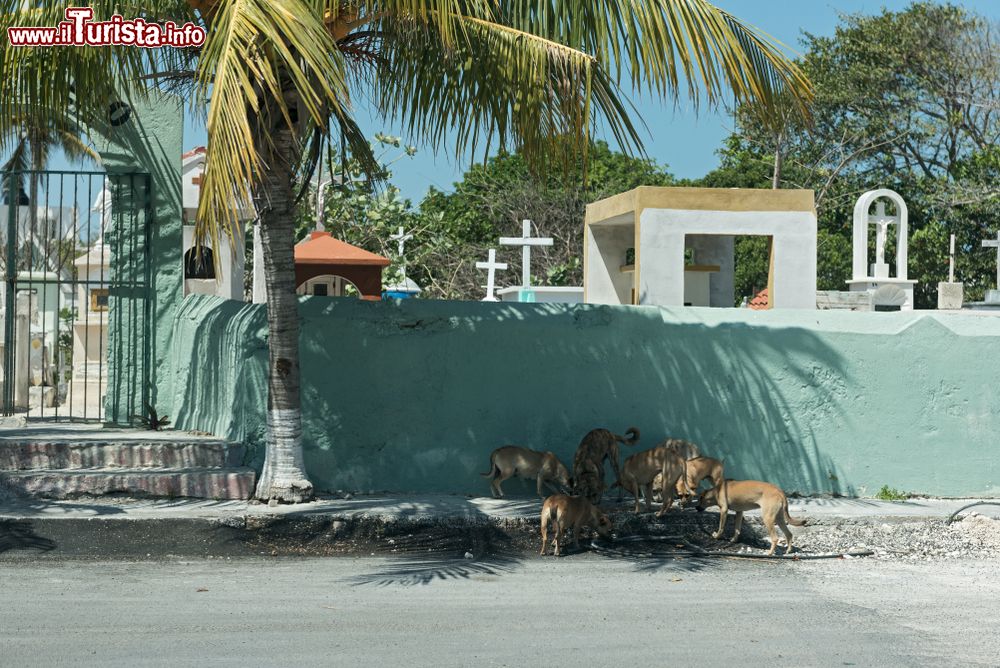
[576, 611]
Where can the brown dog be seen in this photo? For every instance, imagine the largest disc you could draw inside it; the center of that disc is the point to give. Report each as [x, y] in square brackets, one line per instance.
[596, 446]
[743, 495]
[695, 470]
[511, 460]
[641, 468]
[571, 512]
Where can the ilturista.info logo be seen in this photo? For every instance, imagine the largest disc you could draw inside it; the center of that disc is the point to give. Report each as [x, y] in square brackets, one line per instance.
[79, 29]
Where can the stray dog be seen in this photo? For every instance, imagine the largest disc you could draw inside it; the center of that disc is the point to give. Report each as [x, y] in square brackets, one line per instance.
[591, 478]
[686, 449]
[641, 468]
[596, 446]
[571, 512]
[695, 470]
[511, 460]
[743, 495]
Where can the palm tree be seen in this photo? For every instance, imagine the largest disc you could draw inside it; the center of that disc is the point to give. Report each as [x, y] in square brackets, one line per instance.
[277, 77]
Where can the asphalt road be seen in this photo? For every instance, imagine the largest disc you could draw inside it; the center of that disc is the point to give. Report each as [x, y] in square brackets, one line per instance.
[576, 611]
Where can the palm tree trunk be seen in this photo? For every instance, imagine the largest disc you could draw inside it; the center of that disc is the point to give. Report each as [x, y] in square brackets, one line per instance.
[778, 159]
[284, 477]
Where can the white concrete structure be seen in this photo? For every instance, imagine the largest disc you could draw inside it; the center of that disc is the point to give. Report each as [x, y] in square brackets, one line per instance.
[200, 275]
[545, 294]
[993, 296]
[866, 276]
[951, 294]
[662, 223]
[491, 266]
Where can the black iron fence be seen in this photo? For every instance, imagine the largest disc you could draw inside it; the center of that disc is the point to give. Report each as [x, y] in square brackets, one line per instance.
[76, 258]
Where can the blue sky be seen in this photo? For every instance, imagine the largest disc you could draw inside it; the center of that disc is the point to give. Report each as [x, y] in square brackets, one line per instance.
[678, 137]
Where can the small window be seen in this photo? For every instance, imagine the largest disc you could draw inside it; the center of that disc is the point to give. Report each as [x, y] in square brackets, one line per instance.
[319, 290]
[99, 299]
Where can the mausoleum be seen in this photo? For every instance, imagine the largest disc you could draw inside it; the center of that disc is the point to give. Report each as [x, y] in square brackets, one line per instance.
[326, 266]
[675, 246]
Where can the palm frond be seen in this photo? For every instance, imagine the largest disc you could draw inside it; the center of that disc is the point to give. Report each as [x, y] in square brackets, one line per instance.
[258, 56]
[38, 82]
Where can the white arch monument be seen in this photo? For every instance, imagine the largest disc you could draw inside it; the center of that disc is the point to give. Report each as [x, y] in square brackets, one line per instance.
[867, 277]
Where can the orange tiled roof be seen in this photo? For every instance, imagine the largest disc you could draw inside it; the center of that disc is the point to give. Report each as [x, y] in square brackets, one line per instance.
[760, 301]
[321, 248]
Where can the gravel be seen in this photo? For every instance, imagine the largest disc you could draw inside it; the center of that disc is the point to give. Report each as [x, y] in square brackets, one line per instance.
[973, 536]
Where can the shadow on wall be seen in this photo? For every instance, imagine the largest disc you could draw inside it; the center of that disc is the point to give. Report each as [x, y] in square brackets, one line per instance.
[413, 396]
[220, 354]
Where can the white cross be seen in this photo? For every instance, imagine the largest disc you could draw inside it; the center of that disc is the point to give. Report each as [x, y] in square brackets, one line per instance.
[526, 242]
[995, 244]
[491, 265]
[401, 239]
[882, 223]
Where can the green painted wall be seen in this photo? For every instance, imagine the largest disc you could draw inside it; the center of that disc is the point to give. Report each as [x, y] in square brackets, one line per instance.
[149, 142]
[413, 396]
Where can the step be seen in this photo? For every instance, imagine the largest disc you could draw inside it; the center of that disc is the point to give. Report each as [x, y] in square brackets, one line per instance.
[18, 455]
[199, 482]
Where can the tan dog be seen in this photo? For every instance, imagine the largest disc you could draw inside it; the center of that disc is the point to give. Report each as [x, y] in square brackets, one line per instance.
[686, 449]
[571, 512]
[695, 470]
[744, 495]
[641, 468]
[596, 446]
[511, 460]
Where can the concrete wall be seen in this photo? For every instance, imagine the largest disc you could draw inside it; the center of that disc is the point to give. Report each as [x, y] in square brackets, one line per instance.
[149, 141]
[413, 396]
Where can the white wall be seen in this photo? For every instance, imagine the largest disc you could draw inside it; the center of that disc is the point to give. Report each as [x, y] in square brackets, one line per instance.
[662, 235]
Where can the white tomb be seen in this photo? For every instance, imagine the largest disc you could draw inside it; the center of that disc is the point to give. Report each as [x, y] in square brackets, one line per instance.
[662, 223]
[869, 277]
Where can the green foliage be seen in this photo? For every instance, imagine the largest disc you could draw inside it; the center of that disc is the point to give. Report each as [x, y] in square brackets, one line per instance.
[891, 494]
[492, 199]
[904, 100]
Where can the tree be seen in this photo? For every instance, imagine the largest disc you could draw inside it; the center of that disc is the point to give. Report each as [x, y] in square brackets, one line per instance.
[905, 100]
[277, 77]
[492, 199]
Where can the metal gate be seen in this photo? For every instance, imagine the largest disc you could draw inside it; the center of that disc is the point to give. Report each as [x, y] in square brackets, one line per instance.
[76, 257]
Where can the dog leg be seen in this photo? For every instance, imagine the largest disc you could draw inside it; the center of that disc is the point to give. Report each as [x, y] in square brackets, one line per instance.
[773, 534]
[504, 475]
[785, 530]
[540, 483]
[545, 537]
[647, 492]
[557, 527]
[668, 500]
[723, 512]
[739, 525]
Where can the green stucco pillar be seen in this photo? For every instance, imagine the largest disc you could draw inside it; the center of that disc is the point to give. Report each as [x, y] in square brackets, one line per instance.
[142, 137]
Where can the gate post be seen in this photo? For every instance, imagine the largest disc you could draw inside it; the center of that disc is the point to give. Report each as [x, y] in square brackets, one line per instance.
[143, 136]
[22, 325]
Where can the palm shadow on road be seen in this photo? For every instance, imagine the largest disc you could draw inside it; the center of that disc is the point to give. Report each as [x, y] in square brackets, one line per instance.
[426, 558]
[20, 535]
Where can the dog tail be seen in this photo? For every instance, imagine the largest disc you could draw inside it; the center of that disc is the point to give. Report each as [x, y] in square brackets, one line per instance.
[494, 469]
[791, 520]
[628, 441]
